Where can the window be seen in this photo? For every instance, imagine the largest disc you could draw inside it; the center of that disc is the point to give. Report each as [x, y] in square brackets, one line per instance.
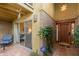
[22, 27]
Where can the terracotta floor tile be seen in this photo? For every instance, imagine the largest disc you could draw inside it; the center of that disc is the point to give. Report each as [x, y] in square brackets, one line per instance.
[14, 50]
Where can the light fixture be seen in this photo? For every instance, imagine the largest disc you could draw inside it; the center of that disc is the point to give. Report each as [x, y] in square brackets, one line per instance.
[63, 7]
[35, 18]
[29, 30]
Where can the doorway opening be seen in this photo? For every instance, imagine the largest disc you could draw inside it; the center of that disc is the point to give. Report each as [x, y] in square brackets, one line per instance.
[24, 33]
[65, 33]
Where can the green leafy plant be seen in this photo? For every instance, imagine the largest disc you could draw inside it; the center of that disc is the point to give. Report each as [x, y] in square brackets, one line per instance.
[76, 34]
[46, 33]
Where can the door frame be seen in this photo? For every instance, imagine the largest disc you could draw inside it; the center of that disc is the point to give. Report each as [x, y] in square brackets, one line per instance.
[26, 30]
[16, 30]
[64, 21]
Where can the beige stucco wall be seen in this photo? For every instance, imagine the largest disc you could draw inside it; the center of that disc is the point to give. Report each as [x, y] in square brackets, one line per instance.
[5, 27]
[42, 19]
[35, 29]
[48, 8]
[77, 20]
[70, 12]
[78, 8]
[52, 10]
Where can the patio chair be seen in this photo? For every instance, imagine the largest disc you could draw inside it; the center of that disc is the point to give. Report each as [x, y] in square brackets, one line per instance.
[6, 40]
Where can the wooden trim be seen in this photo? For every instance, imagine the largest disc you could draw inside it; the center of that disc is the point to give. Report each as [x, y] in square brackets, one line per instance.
[29, 5]
[67, 20]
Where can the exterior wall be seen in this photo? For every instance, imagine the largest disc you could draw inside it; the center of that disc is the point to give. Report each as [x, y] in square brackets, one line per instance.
[49, 8]
[78, 8]
[77, 20]
[35, 29]
[70, 12]
[42, 19]
[46, 20]
[5, 27]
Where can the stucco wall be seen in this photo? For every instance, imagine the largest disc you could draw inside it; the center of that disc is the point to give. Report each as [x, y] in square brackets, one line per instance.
[42, 19]
[5, 27]
[35, 29]
[77, 20]
[78, 8]
[46, 20]
[49, 8]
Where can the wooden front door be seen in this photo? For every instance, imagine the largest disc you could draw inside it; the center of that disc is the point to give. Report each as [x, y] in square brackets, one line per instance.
[64, 32]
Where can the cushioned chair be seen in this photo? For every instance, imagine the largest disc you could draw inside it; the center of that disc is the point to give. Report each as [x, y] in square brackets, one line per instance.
[7, 39]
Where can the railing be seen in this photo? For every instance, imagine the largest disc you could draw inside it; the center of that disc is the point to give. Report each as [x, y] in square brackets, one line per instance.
[29, 5]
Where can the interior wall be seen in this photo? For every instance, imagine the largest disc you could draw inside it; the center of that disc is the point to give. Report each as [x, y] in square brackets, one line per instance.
[70, 12]
[5, 27]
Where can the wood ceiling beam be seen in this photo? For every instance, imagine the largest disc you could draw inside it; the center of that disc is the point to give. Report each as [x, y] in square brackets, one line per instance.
[8, 9]
[6, 13]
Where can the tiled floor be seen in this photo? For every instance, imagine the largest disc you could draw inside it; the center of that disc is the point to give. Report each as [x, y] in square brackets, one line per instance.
[18, 50]
[65, 51]
[15, 50]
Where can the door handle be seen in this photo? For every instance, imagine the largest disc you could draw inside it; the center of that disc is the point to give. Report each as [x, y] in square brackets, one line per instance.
[69, 33]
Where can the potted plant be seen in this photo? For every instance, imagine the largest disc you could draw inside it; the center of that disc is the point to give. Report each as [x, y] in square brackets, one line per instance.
[76, 34]
[46, 33]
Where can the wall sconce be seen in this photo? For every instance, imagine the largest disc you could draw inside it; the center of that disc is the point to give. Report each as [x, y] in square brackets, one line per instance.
[35, 18]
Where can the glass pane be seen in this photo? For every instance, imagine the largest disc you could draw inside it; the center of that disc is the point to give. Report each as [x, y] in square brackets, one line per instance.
[28, 40]
[21, 27]
[29, 28]
[22, 34]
